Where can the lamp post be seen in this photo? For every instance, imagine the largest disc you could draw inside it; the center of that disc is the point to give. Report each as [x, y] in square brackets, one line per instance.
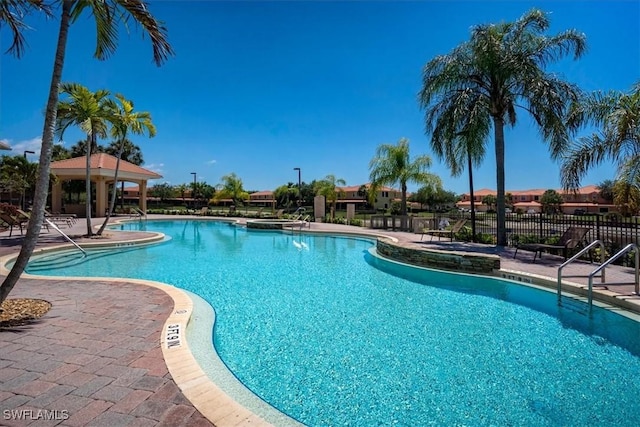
[193, 194]
[299, 188]
[28, 152]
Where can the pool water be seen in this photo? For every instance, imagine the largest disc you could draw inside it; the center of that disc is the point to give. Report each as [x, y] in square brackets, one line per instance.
[331, 335]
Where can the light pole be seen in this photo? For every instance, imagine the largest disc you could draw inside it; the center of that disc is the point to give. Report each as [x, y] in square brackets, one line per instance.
[299, 188]
[24, 194]
[193, 194]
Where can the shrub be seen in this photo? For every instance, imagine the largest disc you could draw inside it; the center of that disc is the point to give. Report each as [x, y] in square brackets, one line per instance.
[484, 238]
[7, 208]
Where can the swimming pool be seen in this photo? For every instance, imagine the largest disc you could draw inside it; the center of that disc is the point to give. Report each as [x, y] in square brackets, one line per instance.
[329, 334]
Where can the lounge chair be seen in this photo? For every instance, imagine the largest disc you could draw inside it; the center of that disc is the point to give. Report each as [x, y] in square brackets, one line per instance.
[204, 211]
[447, 232]
[570, 239]
[10, 221]
[278, 214]
[22, 215]
[61, 219]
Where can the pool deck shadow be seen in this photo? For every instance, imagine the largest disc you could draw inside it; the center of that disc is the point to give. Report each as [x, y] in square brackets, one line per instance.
[95, 359]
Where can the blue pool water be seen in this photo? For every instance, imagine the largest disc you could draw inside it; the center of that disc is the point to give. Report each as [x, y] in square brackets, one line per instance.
[331, 335]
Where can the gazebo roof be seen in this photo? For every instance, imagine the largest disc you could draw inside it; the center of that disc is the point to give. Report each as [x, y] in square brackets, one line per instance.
[102, 164]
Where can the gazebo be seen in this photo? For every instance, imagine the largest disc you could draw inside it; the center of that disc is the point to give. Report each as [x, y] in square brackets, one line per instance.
[103, 168]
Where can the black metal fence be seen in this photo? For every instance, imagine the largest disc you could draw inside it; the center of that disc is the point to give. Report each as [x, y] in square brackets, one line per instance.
[614, 231]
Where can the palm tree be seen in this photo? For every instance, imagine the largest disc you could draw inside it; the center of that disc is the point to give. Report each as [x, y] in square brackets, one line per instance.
[108, 15]
[182, 188]
[393, 165]
[231, 188]
[79, 149]
[90, 111]
[498, 70]
[12, 13]
[461, 138]
[285, 194]
[363, 191]
[618, 116]
[17, 174]
[606, 189]
[130, 152]
[328, 187]
[125, 120]
[60, 152]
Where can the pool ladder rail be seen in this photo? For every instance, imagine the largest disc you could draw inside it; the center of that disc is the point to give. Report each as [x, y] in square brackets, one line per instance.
[63, 234]
[601, 269]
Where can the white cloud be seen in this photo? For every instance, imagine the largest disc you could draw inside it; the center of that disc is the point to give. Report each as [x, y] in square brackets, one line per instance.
[155, 167]
[211, 162]
[20, 147]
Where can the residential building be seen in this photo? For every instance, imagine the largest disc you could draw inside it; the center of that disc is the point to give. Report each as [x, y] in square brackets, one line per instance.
[350, 194]
[262, 198]
[586, 199]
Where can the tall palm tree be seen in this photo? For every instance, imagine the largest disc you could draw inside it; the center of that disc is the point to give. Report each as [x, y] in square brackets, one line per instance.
[108, 16]
[618, 116]
[90, 111]
[392, 165]
[502, 68]
[460, 137]
[12, 13]
[125, 121]
[328, 187]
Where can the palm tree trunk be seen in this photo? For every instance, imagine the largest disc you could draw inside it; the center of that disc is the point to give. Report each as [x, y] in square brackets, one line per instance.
[473, 205]
[112, 204]
[88, 181]
[403, 200]
[46, 148]
[122, 196]
[498, 125]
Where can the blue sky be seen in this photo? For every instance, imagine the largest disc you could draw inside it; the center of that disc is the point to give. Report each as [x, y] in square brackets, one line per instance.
[258, 88]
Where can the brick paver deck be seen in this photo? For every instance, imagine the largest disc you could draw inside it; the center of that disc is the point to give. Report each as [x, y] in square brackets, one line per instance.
[93, 360]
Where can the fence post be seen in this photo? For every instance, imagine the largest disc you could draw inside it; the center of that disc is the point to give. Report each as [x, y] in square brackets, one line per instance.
[540, 226]
[597, 227]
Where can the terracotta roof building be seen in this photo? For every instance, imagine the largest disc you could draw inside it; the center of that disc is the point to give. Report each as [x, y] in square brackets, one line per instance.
[102, 173]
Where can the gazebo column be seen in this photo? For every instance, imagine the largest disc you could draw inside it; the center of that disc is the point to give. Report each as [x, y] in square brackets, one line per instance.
[142, 200]
[56, 197]
[101, 196]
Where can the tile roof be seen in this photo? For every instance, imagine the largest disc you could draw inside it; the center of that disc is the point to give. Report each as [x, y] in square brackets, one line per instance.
[103, 161]
[355, 188]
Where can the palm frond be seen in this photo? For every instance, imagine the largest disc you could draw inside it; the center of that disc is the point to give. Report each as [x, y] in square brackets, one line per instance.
[12, 14]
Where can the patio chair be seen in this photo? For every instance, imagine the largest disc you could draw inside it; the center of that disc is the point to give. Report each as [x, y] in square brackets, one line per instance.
[10, 221]
[570, 239]
[447, 232]
[26, 217]
[204, 211]
[61, 219]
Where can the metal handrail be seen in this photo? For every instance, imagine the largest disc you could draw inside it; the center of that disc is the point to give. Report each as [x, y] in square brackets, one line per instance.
[573, 258]
[629, 247]
[55, 227]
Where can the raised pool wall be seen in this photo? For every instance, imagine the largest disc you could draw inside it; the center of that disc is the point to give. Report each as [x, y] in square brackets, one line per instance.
[465, 262]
